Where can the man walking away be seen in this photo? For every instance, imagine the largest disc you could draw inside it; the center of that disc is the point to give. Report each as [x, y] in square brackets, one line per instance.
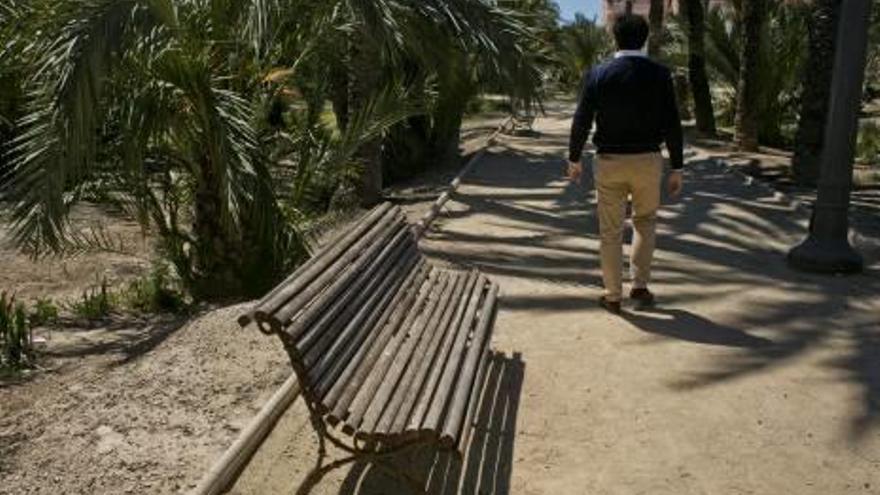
[633, 102]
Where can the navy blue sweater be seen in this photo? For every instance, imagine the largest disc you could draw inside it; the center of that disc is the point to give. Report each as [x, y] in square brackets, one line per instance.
[633, 102]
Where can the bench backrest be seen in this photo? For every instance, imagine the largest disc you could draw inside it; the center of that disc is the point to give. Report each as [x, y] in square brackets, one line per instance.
[331, 307]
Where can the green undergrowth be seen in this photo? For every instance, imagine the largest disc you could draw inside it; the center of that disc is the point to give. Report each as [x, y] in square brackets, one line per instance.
[868, 147]
[157, 292]
[16, 337]
[93, 304]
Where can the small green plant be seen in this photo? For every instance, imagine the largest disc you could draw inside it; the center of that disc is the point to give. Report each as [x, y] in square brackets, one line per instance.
[475, 106]
[95, 303]
[868, 148]
[44, 312]
[16, 339]
[153, 293]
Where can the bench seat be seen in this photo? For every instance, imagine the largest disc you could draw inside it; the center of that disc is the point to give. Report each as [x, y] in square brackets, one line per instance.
[387, 348]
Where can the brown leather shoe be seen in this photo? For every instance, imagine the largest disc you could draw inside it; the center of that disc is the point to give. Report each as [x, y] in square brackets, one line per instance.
[612, 307]
[643, 297]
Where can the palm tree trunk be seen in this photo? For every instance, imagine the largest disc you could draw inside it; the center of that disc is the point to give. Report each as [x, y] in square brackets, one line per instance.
[754, 13]
[683, 94]
[655, 17]
[699, 80]
[217, 254]
[446, 132]
[339, 93]
[816, 96]
[365, 77]
[455, 91]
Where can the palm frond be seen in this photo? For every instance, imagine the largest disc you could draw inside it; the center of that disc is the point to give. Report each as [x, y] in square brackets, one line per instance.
[217, 138]
[259, 27]
[583, 43]
[58, 140]
[722, 45]
[380, 113]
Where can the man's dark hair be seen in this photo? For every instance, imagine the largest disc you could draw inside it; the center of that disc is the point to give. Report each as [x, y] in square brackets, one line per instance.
[630, 31]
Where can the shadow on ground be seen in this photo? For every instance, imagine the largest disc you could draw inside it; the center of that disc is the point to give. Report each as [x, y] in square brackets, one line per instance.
[723, 241]
[487, 464]
[125, 338]
[681, 324]
[122, 340]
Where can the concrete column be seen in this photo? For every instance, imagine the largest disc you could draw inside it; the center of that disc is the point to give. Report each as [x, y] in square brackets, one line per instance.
[827, 248]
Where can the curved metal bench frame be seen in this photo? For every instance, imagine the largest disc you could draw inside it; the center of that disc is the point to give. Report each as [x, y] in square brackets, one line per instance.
[376, 455]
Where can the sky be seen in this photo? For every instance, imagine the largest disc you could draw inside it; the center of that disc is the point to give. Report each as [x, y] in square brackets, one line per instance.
[589, 8]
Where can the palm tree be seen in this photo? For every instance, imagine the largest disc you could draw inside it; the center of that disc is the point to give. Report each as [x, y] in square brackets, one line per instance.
[384, 39]
[582, 43]
[753, 16]
[159, 104]
[816, 95]
[14, 18]
[873, 70]
[205, 121]
[655, 18]
[694, 14]
[781, 57]
[145, 97]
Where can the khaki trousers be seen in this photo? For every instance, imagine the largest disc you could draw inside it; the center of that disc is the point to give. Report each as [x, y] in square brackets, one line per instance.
[617, 178]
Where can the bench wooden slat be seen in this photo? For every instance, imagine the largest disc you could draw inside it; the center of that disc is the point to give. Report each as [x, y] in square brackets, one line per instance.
[327, 370]
[423, 355]
[317, 265]
[342, 392]
[364, 394]
[298, 315]
[431, 355]
[326, 351]
[424, 402]
[300, 275]
[438, 407]
[368, 332]
[392, 379]
[304, 275]
[315, 340]
[315, 296]
[389, 326]
[344, 304]
[466, 380]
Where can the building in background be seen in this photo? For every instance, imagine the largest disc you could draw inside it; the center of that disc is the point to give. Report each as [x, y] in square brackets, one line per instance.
[611, 8]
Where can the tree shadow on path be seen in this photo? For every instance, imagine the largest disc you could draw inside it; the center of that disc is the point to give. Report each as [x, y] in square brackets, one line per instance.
[723, 243]
[744, 231]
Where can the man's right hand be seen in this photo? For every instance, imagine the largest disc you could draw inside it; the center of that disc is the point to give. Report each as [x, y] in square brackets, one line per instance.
[575, 171]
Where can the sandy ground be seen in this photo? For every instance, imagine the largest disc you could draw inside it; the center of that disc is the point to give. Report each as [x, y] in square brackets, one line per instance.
[141, 413]
[749, 378]
[136, 405]
[773, 167]
[129, 404]
[65, 278]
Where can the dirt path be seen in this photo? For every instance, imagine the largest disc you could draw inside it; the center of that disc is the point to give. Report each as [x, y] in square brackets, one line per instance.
[749, 378]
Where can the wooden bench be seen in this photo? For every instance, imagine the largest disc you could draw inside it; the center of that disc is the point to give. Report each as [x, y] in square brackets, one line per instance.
[523, 121]
[390, 352]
